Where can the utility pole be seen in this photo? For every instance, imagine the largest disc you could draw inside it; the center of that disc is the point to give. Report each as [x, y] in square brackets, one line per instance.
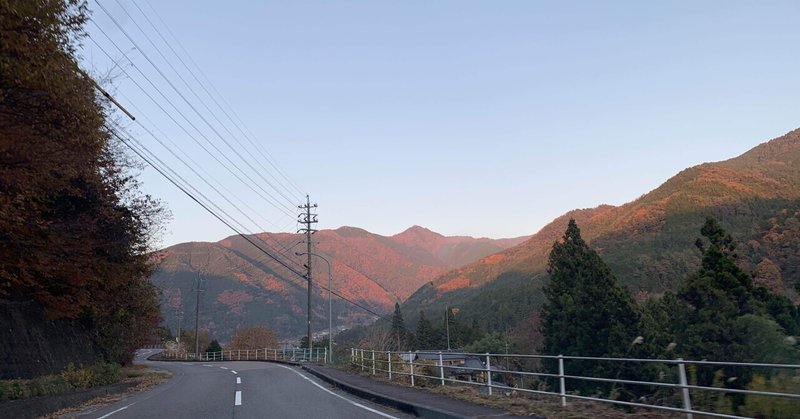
[197, 316]
[447, 323]
[307, 218]
[178, 318]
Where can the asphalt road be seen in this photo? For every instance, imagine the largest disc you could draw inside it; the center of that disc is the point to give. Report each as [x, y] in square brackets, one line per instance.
[238, 390]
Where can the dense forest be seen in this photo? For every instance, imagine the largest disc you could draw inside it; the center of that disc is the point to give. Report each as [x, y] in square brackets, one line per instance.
[718, 312]
[75, 230]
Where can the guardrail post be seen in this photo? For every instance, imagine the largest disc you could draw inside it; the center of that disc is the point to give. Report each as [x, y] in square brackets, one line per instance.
[687, 401]
[389, 357]
[411, 358]
[326, 355]
[362, 360]
[489, 373]
[441, 367]
[562, 384]
[373, 362]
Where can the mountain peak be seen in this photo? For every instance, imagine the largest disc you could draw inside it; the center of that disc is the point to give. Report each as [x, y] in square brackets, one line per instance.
[418, 230]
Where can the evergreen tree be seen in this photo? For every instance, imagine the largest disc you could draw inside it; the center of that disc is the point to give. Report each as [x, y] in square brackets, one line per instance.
[214, 346]
[474, 334]
[725, 317]
[398, 330]
[587, 313]
[716, 296]
[426, 336]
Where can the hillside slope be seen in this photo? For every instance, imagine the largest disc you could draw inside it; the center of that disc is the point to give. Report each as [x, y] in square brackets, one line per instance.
[242, 285]
[649, 242]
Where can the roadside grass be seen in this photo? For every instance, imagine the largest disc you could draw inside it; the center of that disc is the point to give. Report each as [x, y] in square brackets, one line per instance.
[74, 379]
[546, 406]
[144, 378]
[527, 404]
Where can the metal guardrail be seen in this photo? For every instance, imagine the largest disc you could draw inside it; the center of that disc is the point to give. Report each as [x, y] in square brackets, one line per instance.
[413, 365]
[266, 354]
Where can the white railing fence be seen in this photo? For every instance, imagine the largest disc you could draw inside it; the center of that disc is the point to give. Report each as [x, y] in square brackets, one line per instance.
[674, 391]
[266, 354]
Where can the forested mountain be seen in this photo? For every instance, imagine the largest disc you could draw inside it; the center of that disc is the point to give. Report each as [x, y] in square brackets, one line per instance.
[648, 243]
[244, 286]
[75, 230]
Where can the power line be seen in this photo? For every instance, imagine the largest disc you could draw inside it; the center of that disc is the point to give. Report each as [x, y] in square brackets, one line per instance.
[182, 189]
[156, 158]
[201, 101]
[172, 118]
[213, 99]
[181, 183]
[251, 138]
[189, 104]
[205, 207]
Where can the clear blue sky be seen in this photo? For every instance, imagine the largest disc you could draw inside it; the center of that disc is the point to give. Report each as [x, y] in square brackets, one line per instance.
[474, 118]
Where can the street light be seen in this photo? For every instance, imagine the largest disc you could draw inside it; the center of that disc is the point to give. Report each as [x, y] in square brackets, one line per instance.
[330, 310]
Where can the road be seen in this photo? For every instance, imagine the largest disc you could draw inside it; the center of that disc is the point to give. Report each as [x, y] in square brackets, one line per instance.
[245, 389]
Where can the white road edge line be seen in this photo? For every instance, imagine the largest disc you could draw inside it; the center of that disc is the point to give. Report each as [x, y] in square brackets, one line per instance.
[377, 412]
[238, 380]
[118, 410]
[238, 401]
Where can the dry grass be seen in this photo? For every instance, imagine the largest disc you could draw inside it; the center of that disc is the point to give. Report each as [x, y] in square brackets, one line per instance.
[546, 406]
[144, 378]
[526, 404]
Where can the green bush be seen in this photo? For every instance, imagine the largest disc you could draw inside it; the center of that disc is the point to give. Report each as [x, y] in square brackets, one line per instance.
[773, 407]
[105, 373]
[68, 380]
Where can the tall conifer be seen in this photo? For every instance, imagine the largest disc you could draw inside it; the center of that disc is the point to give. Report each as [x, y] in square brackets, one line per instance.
[587, 312]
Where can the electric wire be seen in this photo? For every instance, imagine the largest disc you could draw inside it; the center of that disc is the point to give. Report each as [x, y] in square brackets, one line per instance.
[251, 138]
[201, 101]
[213, 99]
[182, 184]
[175, 121]
[183, 189]
[204, 206]
[188, 103]
[209, 185]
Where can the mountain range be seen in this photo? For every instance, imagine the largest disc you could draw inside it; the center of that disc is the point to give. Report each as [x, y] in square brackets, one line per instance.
[240, 285]
[649, 242]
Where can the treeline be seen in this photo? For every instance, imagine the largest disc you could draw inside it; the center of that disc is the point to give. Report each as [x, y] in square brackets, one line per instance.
[717, 313]
[74, 228]
[245, 338]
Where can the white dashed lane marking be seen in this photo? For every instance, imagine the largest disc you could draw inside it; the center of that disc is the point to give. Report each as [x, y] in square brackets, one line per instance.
[238, 400]
[238, 380]
[118, 410]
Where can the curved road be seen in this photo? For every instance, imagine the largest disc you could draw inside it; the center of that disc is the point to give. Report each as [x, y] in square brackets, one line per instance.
[239, 389]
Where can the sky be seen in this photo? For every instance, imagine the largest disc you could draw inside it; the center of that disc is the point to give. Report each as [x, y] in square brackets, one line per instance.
[480, 118]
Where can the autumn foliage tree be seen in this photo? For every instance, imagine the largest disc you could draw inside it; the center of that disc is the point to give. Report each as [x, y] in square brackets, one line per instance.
[253, 337]
[75, 231]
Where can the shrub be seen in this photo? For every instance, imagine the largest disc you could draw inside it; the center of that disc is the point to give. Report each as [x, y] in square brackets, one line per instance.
[70, 379]
[773, 407]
